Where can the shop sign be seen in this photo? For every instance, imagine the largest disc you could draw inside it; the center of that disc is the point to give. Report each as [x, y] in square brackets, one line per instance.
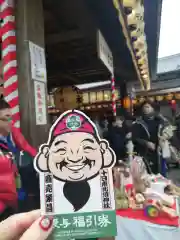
[40, 103]
[79, 194]
[104, 52]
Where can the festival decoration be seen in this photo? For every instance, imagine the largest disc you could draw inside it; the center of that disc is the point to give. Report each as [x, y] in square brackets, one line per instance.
[169, 96]
[113, 91]
[131, 22]
[177, 96]
[152, 211]
[129, 3]
[127, 102]
[159, 98]
[151, 99]
[9, 59]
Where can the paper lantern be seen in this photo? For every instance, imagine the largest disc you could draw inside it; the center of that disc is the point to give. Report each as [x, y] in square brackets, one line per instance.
[92, 97]
[116, 4]
[107, 96]
[139, 43]
[141, 54]
[151, 99]
[127, 102]
[85, 98]
[100, 96]
[159, 98]
[136, 16]
[141, 99]
[177, 96]
[169, 96]
[129, 3]
[173, 104]
[134, 101]
[117, 95]
[142, 60]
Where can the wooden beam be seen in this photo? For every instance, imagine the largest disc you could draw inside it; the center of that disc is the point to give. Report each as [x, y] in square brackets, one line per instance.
[63, 37]
[30, 27]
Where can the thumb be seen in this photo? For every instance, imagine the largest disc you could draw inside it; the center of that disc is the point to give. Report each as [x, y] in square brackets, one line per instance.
[40, 229]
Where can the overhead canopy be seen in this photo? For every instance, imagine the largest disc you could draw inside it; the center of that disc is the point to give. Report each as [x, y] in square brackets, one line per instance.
[70, 37]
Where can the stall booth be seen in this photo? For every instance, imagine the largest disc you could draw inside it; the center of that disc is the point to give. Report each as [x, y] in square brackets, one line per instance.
[168, 101]
[53, 46]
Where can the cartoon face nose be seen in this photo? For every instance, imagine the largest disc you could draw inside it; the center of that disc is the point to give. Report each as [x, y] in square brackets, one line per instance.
[75, 159]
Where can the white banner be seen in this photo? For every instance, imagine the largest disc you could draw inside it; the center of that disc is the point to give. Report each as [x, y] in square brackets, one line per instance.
[104, 52]
[40, 103]
[38, 62]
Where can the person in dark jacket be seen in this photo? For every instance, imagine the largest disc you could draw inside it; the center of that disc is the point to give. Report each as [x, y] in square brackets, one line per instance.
[116, 138]
[145, 134]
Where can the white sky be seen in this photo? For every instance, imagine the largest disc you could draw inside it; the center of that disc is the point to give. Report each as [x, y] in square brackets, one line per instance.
[170, 28]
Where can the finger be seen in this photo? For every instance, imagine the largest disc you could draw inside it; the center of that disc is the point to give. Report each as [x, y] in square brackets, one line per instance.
[14, 226]
[39, 230]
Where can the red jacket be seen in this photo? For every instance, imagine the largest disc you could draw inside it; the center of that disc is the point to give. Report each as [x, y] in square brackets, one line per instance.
[21, 142]
[8, 171]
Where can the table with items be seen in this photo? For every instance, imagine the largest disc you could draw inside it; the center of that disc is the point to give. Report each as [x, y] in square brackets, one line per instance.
[147, 205]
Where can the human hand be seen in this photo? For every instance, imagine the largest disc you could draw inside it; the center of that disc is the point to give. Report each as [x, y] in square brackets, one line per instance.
[26, 226]
[151, 146]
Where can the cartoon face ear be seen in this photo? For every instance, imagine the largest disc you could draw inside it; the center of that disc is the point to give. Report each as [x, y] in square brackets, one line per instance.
[108, 155]
[41, 160]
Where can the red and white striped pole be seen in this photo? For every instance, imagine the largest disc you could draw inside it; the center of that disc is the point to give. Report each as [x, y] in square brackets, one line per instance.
[9, 58]
[113, 91]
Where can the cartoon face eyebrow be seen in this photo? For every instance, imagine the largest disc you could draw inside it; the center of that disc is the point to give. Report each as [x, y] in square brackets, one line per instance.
[88, 140]
[59, 142]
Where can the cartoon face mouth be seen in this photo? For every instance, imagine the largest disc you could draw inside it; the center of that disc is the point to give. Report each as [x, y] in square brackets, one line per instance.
[72, 167]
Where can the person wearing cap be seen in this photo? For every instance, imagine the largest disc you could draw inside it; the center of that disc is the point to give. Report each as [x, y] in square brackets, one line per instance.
[74, 155]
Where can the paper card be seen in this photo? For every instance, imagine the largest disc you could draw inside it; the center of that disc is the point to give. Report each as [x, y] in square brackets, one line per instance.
[76, 184]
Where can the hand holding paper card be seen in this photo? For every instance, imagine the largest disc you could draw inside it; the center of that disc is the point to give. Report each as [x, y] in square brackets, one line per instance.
[75, 170]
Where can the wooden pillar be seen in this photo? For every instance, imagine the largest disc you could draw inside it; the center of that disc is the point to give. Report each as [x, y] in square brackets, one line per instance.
[30, 27]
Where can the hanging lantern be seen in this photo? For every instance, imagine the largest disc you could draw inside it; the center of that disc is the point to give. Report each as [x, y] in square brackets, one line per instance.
[129, 3]
[151, 99]
[136, 16]
[142, 60]
[169, 96]
[141, 99]
[139, 31]
[173, 104]
[107, 95]
[141, 54]
[100, 96]
[116, 4]
[143, 71]
[143, 67]
[177, 96]
[127, 102]
[139, 43]
[159, 98]
[134, 101]
[85, 98]
[92, 97]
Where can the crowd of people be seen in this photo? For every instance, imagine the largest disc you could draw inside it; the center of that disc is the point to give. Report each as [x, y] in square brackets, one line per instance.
[154, 138]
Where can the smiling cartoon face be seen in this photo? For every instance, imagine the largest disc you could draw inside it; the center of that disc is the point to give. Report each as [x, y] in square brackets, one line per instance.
[75, 156]
[74, 151]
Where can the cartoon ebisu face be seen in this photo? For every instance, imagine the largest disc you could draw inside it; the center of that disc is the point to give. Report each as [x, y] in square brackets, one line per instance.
[74, 152]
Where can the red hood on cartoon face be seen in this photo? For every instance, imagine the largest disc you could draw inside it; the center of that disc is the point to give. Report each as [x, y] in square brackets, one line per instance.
[71, 122]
